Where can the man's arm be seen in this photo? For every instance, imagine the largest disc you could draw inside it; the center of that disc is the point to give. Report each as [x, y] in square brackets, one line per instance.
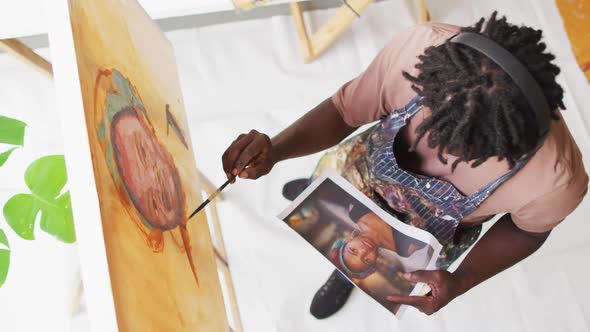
[501, 247]
[364, 99]
[320, 128]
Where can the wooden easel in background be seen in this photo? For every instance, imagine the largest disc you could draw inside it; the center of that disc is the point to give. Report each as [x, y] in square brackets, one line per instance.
[313, 47]
[23, 52]
[27, 55]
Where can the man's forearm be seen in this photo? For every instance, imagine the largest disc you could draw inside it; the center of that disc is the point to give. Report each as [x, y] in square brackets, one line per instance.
[501, 247]
[319, 129]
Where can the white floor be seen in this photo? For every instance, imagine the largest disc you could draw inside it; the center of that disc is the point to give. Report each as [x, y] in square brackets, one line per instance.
[249, 75]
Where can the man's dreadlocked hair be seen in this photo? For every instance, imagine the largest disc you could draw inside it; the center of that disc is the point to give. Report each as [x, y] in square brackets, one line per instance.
[477, 111]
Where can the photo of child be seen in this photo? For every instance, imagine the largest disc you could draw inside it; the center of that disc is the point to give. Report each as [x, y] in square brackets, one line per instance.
[369, 246]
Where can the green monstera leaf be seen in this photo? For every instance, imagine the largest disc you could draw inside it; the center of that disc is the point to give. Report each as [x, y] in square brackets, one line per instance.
[45, 177]
[12, 132]
[4, 155]
[4, 257]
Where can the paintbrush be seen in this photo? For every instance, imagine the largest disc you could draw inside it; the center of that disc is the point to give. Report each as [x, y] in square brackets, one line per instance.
[212, 196]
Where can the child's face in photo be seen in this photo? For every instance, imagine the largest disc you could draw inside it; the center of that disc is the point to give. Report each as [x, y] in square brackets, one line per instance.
[360, 253]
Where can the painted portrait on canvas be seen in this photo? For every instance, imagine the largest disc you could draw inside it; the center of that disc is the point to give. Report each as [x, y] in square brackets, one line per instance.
[162, 269]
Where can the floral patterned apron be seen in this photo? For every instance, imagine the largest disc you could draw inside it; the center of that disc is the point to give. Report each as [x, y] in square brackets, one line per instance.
[368, 162]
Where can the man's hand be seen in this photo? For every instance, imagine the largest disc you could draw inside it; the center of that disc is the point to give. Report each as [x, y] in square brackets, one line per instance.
[444, 288]
[252, 150]
[503, 245]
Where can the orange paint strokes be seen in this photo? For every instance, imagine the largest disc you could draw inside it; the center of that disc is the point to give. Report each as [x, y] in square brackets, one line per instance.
[156, 240]
[101, 74]
[187, 246]
[576, 20]
[153, 236]
[177, 242]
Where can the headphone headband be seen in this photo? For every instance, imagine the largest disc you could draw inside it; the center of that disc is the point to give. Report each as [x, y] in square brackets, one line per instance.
[517, 71]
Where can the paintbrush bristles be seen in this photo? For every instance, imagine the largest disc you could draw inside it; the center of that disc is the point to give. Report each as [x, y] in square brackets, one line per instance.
[212, 196]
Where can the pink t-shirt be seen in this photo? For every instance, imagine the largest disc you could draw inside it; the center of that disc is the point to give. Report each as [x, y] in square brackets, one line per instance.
[538, 197]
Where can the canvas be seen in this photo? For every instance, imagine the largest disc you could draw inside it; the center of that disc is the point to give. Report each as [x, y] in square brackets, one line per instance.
[161, 266]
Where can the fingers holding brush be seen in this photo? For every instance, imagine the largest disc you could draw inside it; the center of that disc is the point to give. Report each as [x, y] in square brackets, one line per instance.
[249, 156]
[232, 153]
[259, 167]
[258, 146]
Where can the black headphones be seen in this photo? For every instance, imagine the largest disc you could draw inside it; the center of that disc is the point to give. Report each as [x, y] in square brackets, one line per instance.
[519, 74]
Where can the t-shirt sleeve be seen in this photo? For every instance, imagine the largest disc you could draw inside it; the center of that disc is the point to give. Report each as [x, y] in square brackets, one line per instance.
[381, 88]
[547, 211]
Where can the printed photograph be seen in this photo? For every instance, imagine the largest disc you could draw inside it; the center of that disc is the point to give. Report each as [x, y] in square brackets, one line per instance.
[369, 246]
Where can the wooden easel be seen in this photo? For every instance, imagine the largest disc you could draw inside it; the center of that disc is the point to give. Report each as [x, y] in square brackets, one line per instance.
[23, 52]
[423, 13]
[313, 47]
[220, 252]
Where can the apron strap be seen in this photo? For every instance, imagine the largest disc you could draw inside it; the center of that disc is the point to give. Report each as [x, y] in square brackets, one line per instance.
[412, 107]
[405, 112]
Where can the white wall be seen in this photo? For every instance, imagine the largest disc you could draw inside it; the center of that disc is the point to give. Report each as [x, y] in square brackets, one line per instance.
[27, 17]
[37, 293]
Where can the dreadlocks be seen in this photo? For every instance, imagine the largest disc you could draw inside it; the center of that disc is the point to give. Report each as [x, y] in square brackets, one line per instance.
[476, 110]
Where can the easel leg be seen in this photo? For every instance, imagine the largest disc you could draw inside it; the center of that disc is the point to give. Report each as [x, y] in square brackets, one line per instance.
[23, 52]
[232, 297]
[220, 252]
[306, 47]
[77, 299]
[329, 32]
[423, 13]
[221, 256]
